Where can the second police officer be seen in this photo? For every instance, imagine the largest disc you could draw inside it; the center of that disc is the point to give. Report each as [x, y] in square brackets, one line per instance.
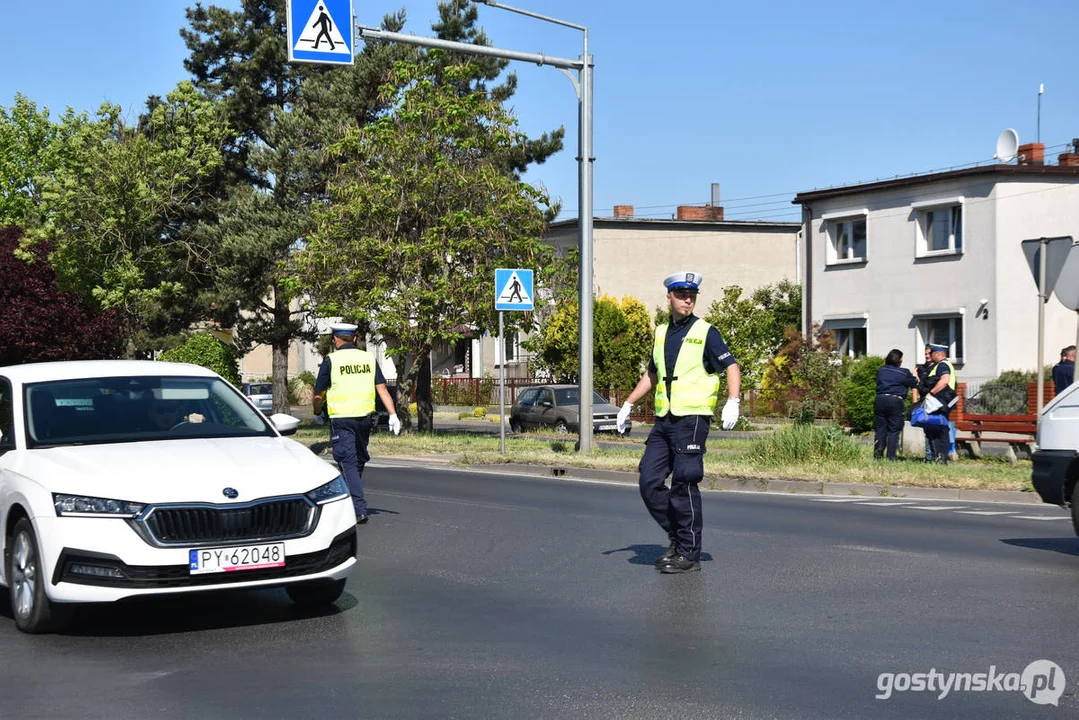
[345, 389]
[687, 356]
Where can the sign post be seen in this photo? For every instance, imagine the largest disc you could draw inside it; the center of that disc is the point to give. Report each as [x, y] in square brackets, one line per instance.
[1046, 257]
[513, 291]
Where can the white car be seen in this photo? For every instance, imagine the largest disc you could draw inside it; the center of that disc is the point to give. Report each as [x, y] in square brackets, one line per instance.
[124, 478]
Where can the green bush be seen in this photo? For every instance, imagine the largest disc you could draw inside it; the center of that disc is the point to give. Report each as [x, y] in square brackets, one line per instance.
[806, 443]
[296, 386]
[207, 351]
[860, 391]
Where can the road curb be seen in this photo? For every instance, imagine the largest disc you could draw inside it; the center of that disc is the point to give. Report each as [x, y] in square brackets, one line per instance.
[781, 485]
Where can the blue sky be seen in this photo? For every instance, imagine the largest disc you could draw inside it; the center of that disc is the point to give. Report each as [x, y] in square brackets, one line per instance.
[767, 98]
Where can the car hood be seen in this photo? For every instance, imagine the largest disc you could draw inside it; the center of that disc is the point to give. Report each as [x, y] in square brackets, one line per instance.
[189, 470]
[597, 409]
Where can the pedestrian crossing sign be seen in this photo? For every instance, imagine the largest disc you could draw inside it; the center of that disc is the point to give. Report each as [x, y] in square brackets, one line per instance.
[513, 289]
[320, 31]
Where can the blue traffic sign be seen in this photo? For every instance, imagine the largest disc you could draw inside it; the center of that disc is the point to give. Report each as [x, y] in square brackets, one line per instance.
[320, 31]
[513, 289]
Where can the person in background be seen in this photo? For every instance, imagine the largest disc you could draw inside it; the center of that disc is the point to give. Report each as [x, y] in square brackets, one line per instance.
[1064, 371]
[943, 390]
[922, 371]
[893, 382]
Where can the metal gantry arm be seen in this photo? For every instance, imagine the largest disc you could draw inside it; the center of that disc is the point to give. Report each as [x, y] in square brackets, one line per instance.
[582, 86]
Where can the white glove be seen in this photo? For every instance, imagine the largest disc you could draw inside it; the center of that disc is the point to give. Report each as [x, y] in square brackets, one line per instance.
[729, 418]
[623, 416]
[320, 419]
[395, 424]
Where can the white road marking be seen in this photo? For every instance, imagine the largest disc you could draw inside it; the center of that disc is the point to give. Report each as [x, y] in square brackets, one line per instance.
[987, 512]
[934, 507]
[839, 500]
[1040, 517]
[886, 504]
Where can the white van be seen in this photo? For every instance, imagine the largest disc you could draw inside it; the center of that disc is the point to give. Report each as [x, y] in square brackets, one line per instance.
[1056, 461]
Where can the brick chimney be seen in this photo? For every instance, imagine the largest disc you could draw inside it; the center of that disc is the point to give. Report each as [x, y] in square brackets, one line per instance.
[1032, 154]
[695, 212]
[623, 211]
[1070, 159]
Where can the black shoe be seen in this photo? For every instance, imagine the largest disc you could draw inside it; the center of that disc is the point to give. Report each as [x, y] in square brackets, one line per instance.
[679, 564]
[669, 553]
[361, 519]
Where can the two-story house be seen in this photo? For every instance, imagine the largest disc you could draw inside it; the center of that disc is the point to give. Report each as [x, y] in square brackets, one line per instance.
[938, 257]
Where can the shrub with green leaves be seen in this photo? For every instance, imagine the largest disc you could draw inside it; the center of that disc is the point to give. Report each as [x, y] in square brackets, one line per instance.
[860, 392]
[207, 351]
[806, 443]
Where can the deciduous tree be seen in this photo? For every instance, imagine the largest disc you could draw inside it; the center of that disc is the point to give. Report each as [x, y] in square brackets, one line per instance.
[41, 322]
[422, 215]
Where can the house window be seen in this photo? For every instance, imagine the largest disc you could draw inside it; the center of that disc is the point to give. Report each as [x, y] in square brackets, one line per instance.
[940, 227]
[849, 332]
[510, 348]
[850, 341]
[946, 330]
[847, 240]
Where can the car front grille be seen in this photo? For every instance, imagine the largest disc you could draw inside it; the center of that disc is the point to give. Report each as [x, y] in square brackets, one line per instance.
[147, 577]
[276, 519]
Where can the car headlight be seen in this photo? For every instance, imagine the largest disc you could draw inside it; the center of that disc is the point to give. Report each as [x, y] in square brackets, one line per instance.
[333, 490]
[81, 505]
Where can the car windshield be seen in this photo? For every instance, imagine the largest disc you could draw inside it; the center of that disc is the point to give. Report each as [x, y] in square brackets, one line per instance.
[572, 396]
[90, 411]
[260, 389]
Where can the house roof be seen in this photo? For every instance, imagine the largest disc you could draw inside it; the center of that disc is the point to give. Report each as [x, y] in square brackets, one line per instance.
[997, 170]
[654, 223]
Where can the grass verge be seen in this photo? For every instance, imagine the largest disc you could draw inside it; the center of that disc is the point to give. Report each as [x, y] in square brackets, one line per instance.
[726, 458]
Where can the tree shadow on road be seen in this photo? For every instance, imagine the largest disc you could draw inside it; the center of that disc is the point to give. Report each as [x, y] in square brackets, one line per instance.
[1065, 545]
[648, 554]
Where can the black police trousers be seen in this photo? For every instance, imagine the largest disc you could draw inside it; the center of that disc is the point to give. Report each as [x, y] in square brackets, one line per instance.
[675, 447]
[940, 439]
[348, 437]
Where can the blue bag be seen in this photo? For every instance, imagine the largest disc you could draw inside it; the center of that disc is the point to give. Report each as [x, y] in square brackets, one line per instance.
[921, 419]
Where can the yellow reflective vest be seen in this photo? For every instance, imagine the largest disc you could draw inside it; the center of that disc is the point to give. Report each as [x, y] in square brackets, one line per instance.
[352, 383]
[693, 389]
[951, 373]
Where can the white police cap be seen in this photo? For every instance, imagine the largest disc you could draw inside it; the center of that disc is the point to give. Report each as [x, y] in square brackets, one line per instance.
[683, 279]
[343, 328]
[937, 347]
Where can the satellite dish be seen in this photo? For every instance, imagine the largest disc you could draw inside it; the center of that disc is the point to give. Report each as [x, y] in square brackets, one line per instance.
[1007, 145]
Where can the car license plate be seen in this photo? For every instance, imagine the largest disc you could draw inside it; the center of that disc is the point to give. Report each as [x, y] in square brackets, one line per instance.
[608, 427]
[231, 559]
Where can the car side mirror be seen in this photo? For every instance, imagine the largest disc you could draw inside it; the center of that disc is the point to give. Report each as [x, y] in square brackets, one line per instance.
[546, 403]
[285, 424]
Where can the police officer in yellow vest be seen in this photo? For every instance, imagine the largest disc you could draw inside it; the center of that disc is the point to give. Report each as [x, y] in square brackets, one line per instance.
[687, 356]
[940, 383]
[345, 388]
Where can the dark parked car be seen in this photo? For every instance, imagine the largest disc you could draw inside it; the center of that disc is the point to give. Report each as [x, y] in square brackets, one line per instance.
[557, 406]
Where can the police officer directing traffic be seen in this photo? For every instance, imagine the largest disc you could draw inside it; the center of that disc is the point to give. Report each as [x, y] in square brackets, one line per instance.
[687, 356]
[345, 388]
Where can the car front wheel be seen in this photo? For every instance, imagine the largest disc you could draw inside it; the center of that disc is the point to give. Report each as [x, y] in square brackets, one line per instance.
[31, 607]
[316, 594]
[561, 428]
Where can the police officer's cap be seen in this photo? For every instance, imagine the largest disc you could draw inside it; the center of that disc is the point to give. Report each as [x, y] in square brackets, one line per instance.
[937, 347]
[343, 328]
[683, 281]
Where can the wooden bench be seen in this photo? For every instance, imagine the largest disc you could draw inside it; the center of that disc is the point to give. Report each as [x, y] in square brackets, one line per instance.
[1021, 429]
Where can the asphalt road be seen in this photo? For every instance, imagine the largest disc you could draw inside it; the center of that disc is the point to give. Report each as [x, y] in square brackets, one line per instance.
[491, 596]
